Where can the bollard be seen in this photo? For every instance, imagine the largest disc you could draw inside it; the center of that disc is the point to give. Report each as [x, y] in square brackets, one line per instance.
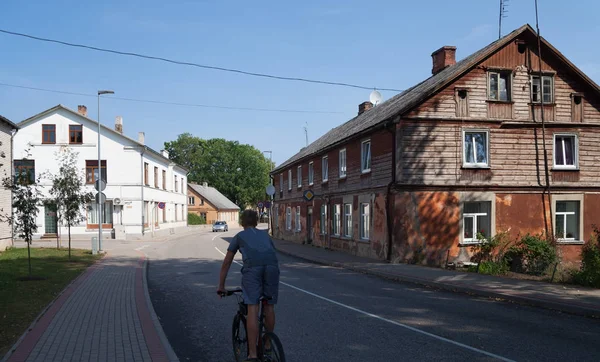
[94, 245]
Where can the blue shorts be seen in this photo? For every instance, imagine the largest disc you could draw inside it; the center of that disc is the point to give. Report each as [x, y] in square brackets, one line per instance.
[258, 281]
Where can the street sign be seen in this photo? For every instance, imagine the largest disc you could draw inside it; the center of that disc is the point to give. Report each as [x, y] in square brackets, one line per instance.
[161, 205]
[100, 185]
[260, 205]
[270, 190]
[308, 195]
[102, 197]
[268, 205]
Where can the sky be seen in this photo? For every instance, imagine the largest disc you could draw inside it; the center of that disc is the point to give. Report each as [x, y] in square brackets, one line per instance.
[380, 44]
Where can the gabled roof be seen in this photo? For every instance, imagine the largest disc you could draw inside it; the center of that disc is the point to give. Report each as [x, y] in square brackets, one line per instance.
[108, 129]
[412, 97]
[213, 196]
[7, 121]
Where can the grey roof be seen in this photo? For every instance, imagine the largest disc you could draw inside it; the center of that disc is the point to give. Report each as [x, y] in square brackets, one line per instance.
[109, 129]
[214, 197]
[7, 121]
[408, 99]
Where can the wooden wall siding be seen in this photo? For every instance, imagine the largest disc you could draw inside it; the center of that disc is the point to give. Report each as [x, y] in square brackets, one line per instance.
[520, 93]
[500, 110]
[431, 154]
[549, 113]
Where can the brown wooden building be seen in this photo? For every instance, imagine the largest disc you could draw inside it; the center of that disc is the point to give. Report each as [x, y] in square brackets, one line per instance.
[461, 153]
[212, 205]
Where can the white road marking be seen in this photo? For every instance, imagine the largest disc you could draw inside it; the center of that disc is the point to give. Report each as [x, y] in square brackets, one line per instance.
[416, 330]
[142, 247]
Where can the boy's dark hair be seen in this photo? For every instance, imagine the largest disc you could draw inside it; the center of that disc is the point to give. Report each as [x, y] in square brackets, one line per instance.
[249, 218]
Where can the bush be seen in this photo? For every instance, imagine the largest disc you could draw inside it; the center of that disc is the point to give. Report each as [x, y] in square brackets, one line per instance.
[489, 254]
[195, 219]
[533, 254]
[589, 274]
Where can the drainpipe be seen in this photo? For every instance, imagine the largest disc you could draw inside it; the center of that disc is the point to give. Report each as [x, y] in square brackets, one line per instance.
[388, 197]
[142, 183]
[12, 173]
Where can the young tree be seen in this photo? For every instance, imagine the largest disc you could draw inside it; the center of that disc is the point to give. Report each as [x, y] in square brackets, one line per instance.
[68, 191]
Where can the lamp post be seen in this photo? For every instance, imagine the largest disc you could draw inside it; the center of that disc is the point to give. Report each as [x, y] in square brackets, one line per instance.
[269, 225]
[99, 196]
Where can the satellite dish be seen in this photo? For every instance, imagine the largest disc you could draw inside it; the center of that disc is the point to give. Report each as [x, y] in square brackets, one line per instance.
[375, 97]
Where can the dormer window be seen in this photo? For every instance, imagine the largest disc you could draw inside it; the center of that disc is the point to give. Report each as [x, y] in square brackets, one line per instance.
[542, 87]
[499, 86]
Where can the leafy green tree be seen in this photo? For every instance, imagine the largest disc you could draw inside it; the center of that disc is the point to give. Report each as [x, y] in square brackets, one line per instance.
[238, 171]
[68, 190]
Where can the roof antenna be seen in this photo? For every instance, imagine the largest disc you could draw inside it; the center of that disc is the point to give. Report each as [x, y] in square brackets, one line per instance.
[503, 11]
[306, 133]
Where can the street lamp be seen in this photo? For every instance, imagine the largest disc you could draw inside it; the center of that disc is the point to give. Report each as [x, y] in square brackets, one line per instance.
[99, 196]
[269, 226]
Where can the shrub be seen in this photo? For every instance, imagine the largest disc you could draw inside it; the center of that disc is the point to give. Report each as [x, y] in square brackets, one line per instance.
[195, 219]
[533, 254]
[589, 274]
[489, 254]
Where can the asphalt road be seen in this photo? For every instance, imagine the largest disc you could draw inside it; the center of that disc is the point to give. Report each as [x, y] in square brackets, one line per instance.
[330, 314]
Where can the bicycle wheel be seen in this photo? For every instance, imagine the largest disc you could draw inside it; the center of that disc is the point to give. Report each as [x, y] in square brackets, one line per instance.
[239, 338]
[277, 354]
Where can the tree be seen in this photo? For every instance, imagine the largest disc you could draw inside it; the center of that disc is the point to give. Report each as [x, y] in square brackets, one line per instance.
[238, 171]
[26, 199]
[68, 191]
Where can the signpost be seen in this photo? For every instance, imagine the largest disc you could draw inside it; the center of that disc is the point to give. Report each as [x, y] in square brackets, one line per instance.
[308, 195]
[161, 205]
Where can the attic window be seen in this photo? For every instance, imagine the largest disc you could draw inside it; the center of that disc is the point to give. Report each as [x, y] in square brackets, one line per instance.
[521, 47]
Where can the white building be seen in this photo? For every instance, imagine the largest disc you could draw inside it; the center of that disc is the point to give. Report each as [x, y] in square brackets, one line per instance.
[7, 129]
[146, 193]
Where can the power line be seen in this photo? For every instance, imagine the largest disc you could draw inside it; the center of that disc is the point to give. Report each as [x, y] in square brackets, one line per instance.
[297, 79]
[173, 103]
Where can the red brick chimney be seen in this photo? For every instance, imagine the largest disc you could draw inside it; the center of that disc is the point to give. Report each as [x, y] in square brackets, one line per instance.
[81, 109]
[364, 106]
[442, 58]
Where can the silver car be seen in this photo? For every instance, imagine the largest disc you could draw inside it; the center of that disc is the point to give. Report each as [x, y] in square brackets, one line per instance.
[220, 226]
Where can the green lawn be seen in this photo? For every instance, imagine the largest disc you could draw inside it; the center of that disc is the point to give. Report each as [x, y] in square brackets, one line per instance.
[22, 301]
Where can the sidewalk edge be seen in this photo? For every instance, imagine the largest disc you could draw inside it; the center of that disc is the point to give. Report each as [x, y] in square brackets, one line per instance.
[547, 304]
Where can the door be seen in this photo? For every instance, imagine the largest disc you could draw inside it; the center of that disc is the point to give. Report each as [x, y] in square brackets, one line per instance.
[50, 220]
[309, 224]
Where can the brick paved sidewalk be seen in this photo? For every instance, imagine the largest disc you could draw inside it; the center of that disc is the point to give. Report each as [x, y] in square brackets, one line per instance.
[566, 298]
[104, 315]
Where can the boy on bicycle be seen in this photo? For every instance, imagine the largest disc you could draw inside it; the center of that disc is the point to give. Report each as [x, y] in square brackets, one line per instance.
[260, 275]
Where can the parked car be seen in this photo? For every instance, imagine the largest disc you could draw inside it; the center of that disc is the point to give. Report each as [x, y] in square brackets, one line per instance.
[220, 226]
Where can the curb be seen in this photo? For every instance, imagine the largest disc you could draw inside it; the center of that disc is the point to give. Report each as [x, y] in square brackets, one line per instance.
[536, 302]
[161, 333]
[33, 324]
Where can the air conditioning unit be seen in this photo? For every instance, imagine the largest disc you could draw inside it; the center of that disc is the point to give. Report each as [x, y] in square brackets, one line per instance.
[117, 201]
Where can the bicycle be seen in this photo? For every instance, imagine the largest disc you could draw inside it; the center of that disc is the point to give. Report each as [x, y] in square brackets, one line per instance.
[239, 340]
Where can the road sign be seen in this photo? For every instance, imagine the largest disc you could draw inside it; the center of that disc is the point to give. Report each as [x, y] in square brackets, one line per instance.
[260, 205]
[100, 185]
[161, 205]
[102, 197]
[270, 190]
[308, 195]
[268, 205]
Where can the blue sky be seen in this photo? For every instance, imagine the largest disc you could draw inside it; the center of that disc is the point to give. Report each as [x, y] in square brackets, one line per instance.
[386, 44]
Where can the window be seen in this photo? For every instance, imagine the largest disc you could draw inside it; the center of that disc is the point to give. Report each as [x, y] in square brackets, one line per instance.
[565, 151]
[164, 183]
[176, 185]
[298, 225]
[24, 171]
[280, 182]
[475, 148]
[365, 221]
[201, 202]
[191, 200]
[336, 225]
[91, 171]
[288, 218]
[75, 134]
[545, 90]
[365, 157]
[325, 168]
[48, 133]
[567, 220]
[146, 182]
[499, 83]
[476, 221]
[299, 175]
[289, 180]
[311, 173]
[323, 219]
[175, 212]
[348, 220]
[92, 213]
[156, 177]
[342, 162]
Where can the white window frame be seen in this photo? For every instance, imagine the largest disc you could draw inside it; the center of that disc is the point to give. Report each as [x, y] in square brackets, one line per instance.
[323, 219]
[290, 179]
[311, 173]
[343, 167]
[288, 218]
[487, 149]
[299, 175]
[575, 166]
[364, 168]
[347, 232]
[508, 85]
[570, 197]
[541, 92]
[298, 224]
[337, 219]
[191, 200]
[365, 221]
[474, 216]
[325, 168]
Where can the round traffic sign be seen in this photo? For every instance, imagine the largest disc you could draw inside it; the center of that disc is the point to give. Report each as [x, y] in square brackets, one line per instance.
[102, 197]
[260, 205]
[270, 190]
[100, 185]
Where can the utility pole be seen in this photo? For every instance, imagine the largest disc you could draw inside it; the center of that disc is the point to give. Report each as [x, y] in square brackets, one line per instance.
[269, 227]
[99, 197]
